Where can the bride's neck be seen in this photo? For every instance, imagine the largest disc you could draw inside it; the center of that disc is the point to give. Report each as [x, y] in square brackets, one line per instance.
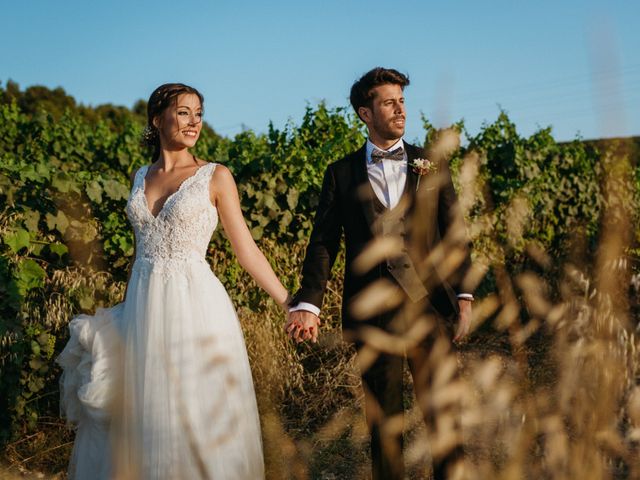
[169, 160]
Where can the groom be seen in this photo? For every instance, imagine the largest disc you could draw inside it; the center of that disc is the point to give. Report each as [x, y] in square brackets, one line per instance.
[371, 194]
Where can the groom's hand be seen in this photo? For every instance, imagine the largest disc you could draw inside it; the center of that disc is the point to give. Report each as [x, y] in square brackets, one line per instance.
[464, 320]
[302, 325]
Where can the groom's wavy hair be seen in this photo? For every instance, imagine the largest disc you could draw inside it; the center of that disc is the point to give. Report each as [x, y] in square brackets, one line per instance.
[361, 90]
[162, 98]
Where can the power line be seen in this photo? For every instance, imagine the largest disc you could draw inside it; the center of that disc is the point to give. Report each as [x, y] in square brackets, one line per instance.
[563, 81]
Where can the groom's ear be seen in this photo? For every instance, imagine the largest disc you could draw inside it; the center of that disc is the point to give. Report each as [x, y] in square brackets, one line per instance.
[365, 114]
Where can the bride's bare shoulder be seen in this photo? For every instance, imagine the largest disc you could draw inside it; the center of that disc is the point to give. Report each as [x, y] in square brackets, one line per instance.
[222, 174]
[222, 183]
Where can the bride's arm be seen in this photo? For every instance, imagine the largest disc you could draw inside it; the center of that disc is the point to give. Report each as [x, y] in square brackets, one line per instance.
[224, 195]
[133, 258]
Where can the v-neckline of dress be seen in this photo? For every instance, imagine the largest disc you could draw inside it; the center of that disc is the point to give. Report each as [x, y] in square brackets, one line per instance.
[171, 195]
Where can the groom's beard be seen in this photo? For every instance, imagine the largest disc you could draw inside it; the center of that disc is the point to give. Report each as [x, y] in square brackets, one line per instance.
[391, 129]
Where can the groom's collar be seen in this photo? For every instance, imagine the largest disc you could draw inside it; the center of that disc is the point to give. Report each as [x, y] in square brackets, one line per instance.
[369, 146]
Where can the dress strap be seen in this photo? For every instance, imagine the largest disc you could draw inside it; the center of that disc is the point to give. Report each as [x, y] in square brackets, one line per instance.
[140, 174]
[206, 173]
[212, 168]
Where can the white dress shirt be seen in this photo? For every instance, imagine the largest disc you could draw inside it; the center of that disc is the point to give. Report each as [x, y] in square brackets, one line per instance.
[388, 179]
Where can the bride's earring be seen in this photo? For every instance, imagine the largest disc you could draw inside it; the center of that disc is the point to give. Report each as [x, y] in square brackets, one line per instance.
[149, 134]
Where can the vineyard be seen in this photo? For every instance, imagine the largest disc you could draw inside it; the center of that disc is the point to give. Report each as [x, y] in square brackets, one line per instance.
[552, 365]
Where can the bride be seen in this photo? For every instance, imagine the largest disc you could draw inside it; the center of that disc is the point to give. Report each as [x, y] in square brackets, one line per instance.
[159, 385]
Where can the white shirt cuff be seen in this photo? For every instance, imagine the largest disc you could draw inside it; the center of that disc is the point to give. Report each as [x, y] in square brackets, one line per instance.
[465, 296]
[307, 307]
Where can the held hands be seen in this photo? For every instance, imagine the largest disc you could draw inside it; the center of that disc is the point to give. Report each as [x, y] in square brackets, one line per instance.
[464, 320]
[302, 325]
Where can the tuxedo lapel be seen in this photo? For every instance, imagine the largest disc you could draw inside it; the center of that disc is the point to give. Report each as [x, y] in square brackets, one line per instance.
[412, 177]
[363, 190]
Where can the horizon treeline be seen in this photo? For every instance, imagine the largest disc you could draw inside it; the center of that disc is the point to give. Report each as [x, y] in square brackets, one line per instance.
[537, 212]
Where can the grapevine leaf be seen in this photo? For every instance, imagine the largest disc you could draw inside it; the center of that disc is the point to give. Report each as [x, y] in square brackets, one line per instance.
[115, 190]
[292, 198]
[58, 249]
[30, 275]
[31, 220]
[59, 221]
[17, 241]
[94, 191]
[63, 182]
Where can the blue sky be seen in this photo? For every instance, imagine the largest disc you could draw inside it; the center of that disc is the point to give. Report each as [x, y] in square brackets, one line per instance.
[574, 65]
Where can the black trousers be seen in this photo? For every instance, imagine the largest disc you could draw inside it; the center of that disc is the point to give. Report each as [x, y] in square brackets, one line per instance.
[383, 385]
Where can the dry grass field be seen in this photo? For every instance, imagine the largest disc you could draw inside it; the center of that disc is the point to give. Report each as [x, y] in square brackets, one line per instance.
[548, 385]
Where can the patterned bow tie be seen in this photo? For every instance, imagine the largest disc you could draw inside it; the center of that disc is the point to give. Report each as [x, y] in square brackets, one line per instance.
[379, 155]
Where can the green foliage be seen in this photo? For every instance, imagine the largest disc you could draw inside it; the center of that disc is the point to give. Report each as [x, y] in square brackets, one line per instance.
[38, 100]
[65, 242]
[558, 182]
[64, 183]
[280, 175]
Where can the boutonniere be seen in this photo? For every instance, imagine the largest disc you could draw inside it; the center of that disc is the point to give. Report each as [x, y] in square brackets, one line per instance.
[423, 166]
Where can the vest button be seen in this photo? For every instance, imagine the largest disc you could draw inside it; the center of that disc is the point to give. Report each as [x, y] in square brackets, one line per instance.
[406, 265]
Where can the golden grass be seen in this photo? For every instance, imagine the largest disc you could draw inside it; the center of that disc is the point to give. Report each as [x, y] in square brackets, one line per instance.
[555, 397]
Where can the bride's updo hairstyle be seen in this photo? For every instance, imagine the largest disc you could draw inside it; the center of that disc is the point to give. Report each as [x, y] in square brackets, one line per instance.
[161, 98]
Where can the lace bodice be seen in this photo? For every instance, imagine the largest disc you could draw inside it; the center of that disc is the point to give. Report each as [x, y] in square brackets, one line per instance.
[182, 229]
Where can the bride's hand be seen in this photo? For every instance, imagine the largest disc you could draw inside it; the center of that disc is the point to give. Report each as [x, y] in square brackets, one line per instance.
[302, 325]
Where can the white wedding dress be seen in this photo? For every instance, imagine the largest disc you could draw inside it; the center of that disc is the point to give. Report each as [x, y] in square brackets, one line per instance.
[159, 386]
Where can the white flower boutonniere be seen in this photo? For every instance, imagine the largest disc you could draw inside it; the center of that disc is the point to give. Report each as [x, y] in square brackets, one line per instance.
[423, 166]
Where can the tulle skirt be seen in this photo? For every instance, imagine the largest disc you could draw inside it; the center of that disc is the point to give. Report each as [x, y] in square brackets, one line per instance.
[159, 386]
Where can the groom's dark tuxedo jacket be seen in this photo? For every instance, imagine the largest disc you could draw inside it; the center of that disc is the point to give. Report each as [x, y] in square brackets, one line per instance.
[349, 205]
